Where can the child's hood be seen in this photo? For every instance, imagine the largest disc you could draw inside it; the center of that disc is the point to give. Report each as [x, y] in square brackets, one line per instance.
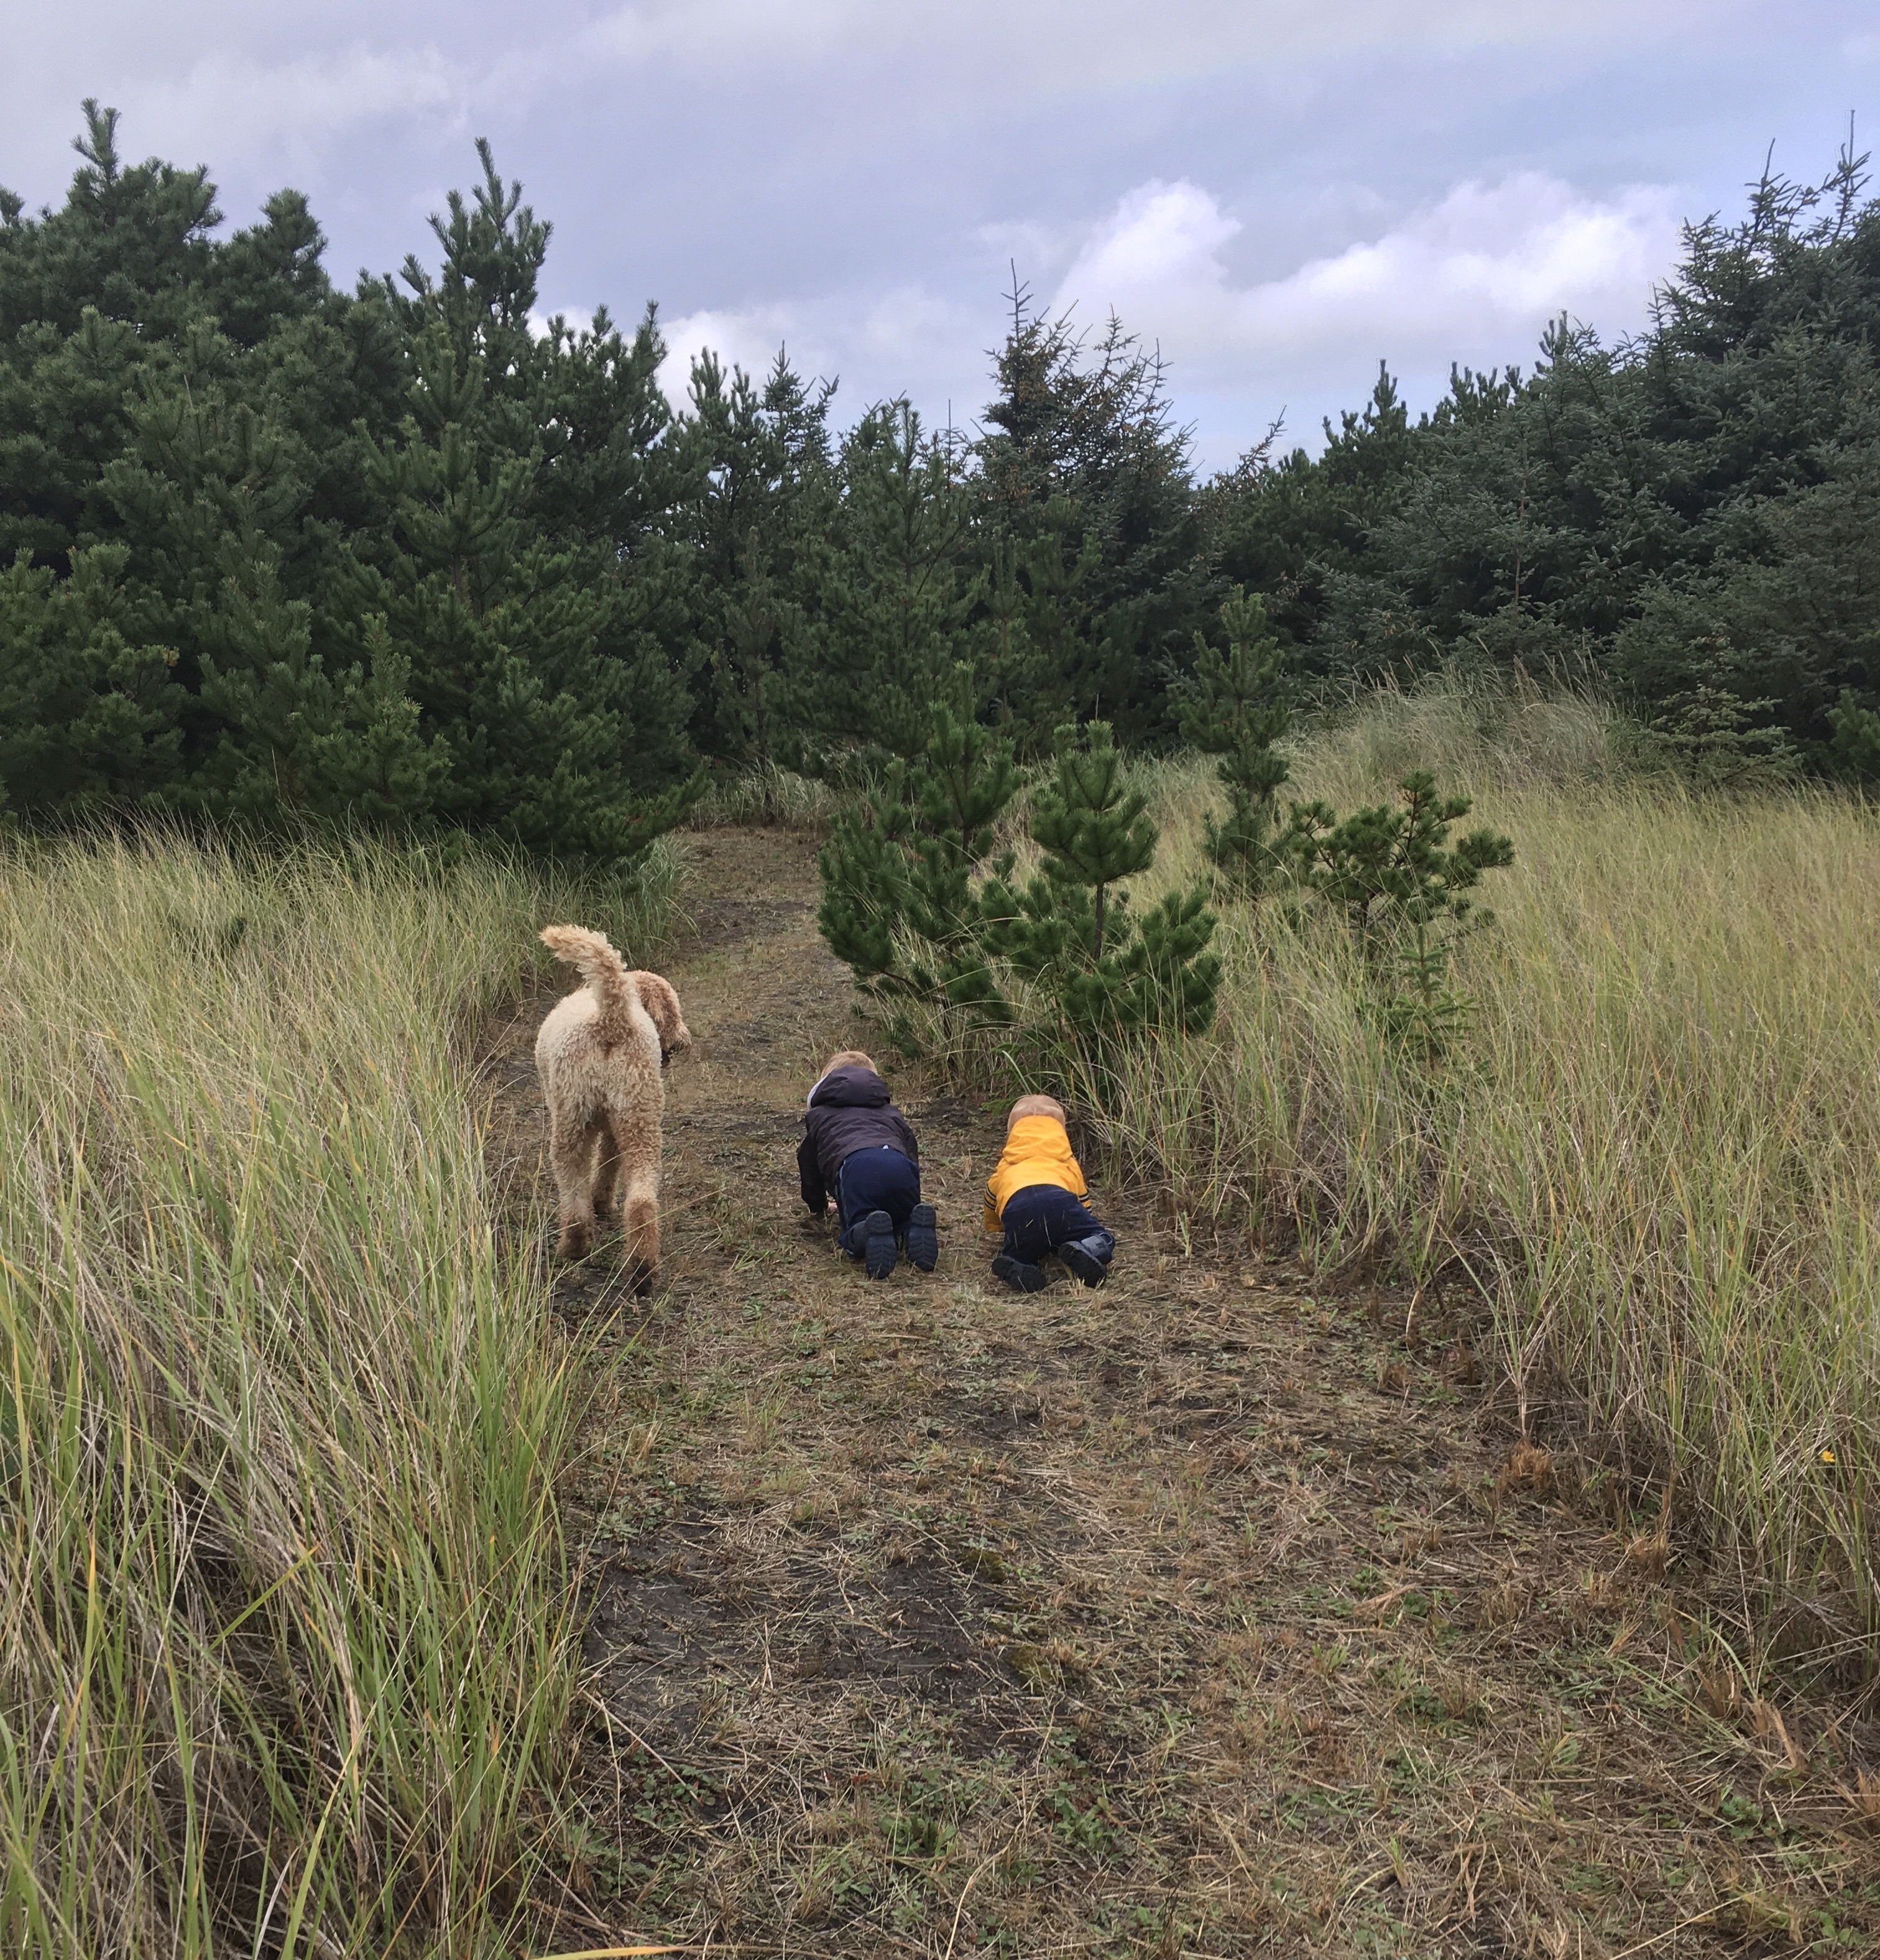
[1039, 1140]
[851, 1087]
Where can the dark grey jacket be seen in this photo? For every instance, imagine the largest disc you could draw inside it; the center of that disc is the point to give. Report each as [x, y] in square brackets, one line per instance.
[849, 1111]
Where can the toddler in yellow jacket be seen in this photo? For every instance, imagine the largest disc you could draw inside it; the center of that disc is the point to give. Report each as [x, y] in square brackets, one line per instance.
[1036, 1197]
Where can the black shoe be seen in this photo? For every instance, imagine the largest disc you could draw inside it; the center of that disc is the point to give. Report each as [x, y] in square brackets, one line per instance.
[1017, 1274]
[1083, 1265]
[876, 1232]
[923, 1238]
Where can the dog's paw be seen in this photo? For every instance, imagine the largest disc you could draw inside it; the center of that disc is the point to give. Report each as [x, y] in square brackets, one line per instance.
[644, 1279]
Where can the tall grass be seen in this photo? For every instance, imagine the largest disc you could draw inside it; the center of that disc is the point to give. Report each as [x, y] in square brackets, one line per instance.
[764, 794]
[285, 1647]
[1657, 1150]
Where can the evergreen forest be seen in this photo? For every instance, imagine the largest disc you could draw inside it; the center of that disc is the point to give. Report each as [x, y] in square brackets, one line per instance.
[276, 553]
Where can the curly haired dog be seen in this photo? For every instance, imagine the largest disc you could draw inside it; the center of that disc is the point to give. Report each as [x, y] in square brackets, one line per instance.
[598, 1054]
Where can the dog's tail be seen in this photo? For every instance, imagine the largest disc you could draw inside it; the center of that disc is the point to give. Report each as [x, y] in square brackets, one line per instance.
[594, 959]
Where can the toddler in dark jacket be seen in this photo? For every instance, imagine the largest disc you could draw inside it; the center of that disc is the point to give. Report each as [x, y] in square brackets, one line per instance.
[858, 1149]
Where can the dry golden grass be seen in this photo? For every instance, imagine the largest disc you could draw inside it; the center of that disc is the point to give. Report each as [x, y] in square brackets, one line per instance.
[1655, 1157]
[285, 1641]
[764, 794]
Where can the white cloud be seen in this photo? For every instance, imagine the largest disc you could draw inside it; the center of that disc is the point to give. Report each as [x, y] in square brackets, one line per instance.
[1475, 277]
[1162, 237]
[747, 338]
[577, 319]
[906, 337]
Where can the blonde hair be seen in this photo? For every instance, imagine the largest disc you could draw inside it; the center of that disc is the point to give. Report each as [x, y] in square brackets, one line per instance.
[849, 1057]
[1034, 1105]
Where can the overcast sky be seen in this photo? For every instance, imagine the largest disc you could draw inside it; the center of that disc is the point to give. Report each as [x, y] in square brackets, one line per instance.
[1280, 192]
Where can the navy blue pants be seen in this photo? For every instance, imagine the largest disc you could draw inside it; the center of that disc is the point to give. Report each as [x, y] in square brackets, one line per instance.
[874, 1180]
[1043, 1216]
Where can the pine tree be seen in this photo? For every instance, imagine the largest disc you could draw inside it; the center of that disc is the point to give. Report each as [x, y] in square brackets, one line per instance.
[1238, 711]
[1095, 831]
[493, 245]
[1407, 895]
[1080, 443]
[1070, 928]
[762, 495]
[89, 715]
[1038, 653]
[562, 726]
[900, 903]
[299, 743]
[889, 624]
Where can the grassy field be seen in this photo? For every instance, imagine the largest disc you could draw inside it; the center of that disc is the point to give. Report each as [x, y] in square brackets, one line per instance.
[286, 1643]
[1221, 1611]
[1655, 1157]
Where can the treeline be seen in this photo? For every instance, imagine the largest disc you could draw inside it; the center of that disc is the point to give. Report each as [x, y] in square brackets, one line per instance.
[1692, 515]
[274, 552]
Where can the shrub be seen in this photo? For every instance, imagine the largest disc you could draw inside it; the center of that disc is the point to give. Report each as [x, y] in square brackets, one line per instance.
[916, 903]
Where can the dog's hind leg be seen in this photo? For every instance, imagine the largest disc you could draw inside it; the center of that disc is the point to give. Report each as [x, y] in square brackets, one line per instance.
[640, 1245]
[606, 1174]
[640, 1249]
[571, 1155]
[635, 1140]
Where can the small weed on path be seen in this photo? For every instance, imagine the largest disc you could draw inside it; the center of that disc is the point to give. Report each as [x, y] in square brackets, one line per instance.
[1205, 1614]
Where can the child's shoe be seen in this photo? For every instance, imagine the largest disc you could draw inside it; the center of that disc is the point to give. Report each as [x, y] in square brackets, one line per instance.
[876, 1233]
[923, 1239]
[1077, 1259]
[1017, 1274]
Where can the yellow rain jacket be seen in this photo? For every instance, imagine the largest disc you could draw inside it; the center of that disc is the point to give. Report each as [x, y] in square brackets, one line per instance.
[1037, 1151]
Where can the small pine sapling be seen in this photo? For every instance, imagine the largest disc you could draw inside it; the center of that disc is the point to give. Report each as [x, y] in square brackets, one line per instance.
[1718, 741]
[1855, 750]
[915, 903]
[1238, 711]
[1406, 894]
[1096, 831]
[1070, 927]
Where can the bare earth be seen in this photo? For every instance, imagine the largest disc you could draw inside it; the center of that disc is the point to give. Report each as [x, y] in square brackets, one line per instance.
[1211, 1613]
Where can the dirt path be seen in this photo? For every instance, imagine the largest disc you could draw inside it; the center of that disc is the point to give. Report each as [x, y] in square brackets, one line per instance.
[1206, 1614]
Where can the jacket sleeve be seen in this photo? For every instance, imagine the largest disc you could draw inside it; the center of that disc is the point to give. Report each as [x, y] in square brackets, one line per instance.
[909, 1148]
[993, 1219]
[809, 1175]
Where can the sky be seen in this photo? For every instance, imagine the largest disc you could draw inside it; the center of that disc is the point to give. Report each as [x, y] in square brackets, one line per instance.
[1277, 194]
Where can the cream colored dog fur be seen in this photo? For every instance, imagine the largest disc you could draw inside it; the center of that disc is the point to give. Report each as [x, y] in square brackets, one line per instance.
[598, 1054]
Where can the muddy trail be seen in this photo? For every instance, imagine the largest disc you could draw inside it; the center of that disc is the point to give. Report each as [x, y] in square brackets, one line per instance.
[1212, 1612]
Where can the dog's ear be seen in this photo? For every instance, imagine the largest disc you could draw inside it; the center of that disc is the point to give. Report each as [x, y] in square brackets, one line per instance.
[660, 1002]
